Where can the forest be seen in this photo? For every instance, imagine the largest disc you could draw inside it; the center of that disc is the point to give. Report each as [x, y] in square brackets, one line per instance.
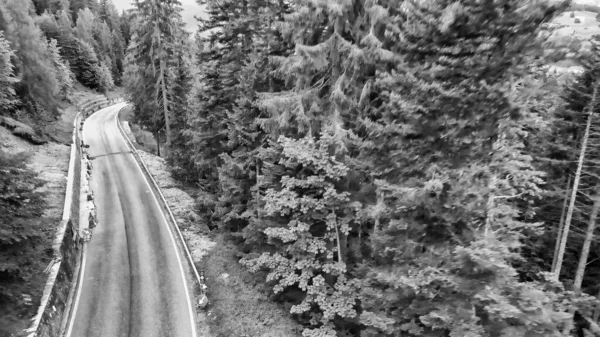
[383, 167]
[388, 168]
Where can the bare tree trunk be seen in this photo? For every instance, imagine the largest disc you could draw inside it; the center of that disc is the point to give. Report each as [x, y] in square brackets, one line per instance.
[561, 224]
[585, 250]
[157, 143]
[165, 107]
[489, 205]
[257, 187]
[584, 143]
[336, 67]
[339, 244]
[583, 258]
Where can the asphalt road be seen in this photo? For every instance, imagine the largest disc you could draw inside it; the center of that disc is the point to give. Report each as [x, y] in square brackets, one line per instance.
[133, 282]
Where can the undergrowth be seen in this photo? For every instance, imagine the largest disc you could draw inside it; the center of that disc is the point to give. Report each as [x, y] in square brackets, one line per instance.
[240, 304]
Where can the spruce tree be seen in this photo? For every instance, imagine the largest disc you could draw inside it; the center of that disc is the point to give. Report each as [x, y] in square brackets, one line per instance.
[157, 27]
[181, 77]
[210, 127]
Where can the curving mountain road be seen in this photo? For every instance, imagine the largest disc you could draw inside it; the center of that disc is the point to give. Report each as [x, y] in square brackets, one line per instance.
[133, 281]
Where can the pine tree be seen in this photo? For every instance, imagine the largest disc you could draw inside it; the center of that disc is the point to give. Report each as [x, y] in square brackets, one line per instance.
[118, 46]
[181, 78]
[206, 130]
[156, 31]
[125, 27]
[231, 68]
[239, 169]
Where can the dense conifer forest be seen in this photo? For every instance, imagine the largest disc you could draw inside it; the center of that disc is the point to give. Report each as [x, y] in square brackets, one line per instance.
[383, 167]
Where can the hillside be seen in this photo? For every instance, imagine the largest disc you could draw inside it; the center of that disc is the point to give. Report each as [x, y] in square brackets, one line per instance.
[21, 295]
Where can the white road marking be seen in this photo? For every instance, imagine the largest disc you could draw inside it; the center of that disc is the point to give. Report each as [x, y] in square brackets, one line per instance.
[79, 287]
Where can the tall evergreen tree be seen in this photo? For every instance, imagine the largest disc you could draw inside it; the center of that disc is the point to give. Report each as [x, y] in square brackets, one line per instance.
[223, 129]
[118, 47]
[181, 79]
[158, 24]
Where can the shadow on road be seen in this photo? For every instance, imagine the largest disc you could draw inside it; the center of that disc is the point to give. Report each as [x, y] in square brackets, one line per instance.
[108, 154]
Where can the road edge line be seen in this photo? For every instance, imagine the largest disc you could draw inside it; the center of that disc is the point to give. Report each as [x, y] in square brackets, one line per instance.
[71, 319]
[146, 174]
